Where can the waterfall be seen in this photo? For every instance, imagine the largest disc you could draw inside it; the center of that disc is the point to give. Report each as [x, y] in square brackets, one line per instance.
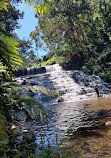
[72, 85]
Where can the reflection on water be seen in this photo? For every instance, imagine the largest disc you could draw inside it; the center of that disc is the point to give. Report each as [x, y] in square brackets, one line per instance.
[48, 140]
[98, 104]
[67, 118]
[93, 143]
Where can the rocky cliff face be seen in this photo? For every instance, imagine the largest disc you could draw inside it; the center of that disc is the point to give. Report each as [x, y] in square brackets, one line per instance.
[72, 85]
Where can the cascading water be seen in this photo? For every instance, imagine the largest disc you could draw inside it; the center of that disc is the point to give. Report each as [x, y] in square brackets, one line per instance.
[67, 111]
[72, 85]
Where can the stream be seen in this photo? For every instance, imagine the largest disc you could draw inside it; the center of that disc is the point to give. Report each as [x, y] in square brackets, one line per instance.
[67, 114]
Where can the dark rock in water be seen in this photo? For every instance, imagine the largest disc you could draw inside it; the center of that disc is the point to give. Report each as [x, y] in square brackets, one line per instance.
[24, 72]
[104, 113]
[87, 84]
[32, 94]
[31, 71]
[24, 82]
[33, 83]
[62, 92]
[75, 76]
[29, 77]
[100, 113]
[60, 100]
[83, 91]
[19, 73]
[108, 123]
[88, 127]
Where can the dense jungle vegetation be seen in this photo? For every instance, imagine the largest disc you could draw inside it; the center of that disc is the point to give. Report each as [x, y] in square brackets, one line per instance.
[77, 34]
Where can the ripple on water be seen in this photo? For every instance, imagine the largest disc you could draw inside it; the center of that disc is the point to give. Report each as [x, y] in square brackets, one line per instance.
[66, 118]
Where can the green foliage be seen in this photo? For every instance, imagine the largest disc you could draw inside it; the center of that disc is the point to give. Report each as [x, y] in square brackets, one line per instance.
[3, 130]
[53, 60]
[80, 30]
[43, 7]
[8, 20]
[3, 5]
[4, 135]
[105, 55]
[105, 75]
[26, 52]
[13, 91]
[12, 99]
[10, 93]
[10, 59]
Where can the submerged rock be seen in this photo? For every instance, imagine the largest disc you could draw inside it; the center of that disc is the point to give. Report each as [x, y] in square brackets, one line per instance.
[108, 123]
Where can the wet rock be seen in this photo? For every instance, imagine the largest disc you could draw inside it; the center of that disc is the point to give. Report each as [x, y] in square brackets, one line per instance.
[68, 83]
[86, 84]
[24, 82]
[41, 70]
[108, 123]
[33, 83]
[42, 97]
[80, 129]
[29, 77]
[62, 92]
[104, 113]
[60, 100]
[30, 71]
[100, 113]
[83, 91]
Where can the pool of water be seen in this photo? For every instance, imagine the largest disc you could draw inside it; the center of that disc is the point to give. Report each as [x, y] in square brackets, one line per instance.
[65, 119]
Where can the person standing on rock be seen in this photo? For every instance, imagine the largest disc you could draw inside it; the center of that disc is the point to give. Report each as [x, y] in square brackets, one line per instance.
[96, 88]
